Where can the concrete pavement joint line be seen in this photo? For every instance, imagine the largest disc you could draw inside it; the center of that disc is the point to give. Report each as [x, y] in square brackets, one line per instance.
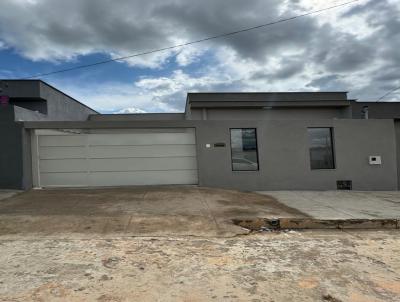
[203, 199]
[327, 206]
[128, 224]
[342, 212]
[204, 209]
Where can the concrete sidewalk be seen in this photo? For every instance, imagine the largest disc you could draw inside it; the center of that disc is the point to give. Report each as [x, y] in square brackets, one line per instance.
[341, 204]
[339, 209]
[189, 211]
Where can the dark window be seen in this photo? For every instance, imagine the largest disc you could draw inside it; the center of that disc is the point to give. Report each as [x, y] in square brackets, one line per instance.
[321, 148]
[244, 149]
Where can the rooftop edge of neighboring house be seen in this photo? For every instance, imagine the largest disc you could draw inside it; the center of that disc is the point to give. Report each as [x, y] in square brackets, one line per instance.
[36, 100]
[265, 99]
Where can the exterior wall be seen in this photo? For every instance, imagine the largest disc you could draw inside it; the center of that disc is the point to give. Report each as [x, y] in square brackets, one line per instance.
[15, 159]
[397, 129]
[11, 166]
[61, 107]
[26, 160]
[283, 152]
[381, 110]
[22, 89]
[284, 155]
[269, 114]
[22, 114]
[36, 105]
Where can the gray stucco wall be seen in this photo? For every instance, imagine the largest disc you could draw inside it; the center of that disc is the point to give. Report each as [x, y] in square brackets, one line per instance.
[283, 152]
[384, 110]
[21, 89]
[26, 159]
[397, 129]
[22, 114]
[11, 166]
[284, 155]
[61, 107]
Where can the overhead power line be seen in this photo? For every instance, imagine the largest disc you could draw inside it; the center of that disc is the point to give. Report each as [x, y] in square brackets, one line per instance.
[387, 93]
[193, 42]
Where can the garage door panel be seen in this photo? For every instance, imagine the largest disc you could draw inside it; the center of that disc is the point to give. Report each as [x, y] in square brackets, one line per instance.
[141, 139]
[62, 140]
[143, 164]
[147, 157]
[141, 151]
[62, 152]
[64, 179]
[64, 165]
[143, 178]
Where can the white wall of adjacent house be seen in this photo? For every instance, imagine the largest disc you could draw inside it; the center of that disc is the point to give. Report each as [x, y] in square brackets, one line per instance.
[125, 157]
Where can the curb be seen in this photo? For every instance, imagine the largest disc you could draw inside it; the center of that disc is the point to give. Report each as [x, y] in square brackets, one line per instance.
[256, 224]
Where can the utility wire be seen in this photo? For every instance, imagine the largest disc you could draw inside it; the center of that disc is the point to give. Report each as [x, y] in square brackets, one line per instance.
[387, 93]
[192, 42]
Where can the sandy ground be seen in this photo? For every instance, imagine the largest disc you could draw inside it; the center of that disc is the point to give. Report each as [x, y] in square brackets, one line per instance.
[327, 265]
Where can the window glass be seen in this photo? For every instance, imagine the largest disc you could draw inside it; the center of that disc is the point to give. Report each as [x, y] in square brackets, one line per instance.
[321, 148]
[244, 149]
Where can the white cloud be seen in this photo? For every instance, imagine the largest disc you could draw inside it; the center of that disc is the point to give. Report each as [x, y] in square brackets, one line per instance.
[352, 48]
[189, 55]
[148, 94]
[130, 110]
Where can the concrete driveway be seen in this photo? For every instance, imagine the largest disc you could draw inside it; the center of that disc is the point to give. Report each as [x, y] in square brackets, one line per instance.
[135, 211]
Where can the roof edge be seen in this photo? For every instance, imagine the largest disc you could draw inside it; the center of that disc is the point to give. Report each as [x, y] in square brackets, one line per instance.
[52, 87]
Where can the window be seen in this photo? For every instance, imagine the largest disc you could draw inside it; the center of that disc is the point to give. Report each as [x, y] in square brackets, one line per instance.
[321, 148]
[244, 149]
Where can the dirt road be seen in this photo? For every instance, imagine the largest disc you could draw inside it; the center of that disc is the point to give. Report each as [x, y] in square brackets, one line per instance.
[284, 266]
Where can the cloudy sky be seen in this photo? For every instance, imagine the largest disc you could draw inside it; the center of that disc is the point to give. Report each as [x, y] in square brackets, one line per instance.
[355, 48]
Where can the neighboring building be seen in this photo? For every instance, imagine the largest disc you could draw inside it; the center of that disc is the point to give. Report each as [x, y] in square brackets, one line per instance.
[29, 101]
[247, 141]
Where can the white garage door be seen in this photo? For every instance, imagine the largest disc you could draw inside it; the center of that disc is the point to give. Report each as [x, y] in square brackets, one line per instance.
[127, 157]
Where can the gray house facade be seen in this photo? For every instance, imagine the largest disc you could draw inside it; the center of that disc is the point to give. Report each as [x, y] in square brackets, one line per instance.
[246, 141]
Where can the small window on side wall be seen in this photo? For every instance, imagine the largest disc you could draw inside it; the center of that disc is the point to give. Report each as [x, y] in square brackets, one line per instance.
[321, 148]
[244, 149]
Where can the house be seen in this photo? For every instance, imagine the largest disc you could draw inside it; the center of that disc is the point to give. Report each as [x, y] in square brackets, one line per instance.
[246, 141]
